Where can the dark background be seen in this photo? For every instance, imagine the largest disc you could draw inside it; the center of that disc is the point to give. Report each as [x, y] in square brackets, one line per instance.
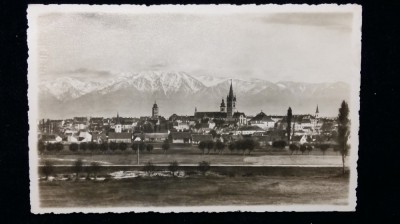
[378, 166]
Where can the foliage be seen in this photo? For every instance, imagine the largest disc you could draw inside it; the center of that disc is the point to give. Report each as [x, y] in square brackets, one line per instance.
[213, 133]
[73, 147]
[232, 146]
[93, 146]
[113, 146]
[50, 147]
[289, 123]
[58, 146]
[309, 147]
[122, 146]
[77, 167]
[149, 148]
[149, 168]
[173, 167]
[303, 148]
[209, 145]
[279, 144]
[220, 146]
[135, 146]
[203, 167]
[83, 146]
[343, 130]
[202, 146]
[165, 146]
[323, 147]
[293, 148]
[104, 146]
[41, 146]
[48, 169]
[94, 168]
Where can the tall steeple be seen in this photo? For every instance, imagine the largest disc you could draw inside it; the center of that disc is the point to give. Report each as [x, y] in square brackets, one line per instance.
[317, 112]
[154, 110]
[230, 103]
[118, 126]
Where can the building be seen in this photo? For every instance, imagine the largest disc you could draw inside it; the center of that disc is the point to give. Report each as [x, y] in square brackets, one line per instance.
[249, 130]
[263, 121]
[181, 137]
[155, 137]
[120, 137]
[154, 110]
[197, 138]
[118, 125]
[226, 111]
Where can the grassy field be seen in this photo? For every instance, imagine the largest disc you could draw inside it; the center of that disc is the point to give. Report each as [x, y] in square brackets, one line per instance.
[196, 190]
[191, 155]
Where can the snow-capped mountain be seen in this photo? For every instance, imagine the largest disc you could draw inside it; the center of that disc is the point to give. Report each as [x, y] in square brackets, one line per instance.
[177, 92]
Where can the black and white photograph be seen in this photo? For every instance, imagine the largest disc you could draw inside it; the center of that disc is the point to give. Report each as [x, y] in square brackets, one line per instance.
[193, 108]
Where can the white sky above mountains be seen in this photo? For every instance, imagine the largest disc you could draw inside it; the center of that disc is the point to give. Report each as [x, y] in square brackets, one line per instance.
[301, 47]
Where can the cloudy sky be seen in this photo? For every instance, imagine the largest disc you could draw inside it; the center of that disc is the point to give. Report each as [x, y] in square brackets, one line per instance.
[305, 47]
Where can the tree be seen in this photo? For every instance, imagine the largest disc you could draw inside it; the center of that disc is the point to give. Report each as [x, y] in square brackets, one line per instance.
[173, 167]
[323, 148]
[309, 148]
[213, 133]
[142, 146]
[279, 144]
[210, 145]
[149, 147]
[303, 148]
[83, 146]
[232, 146]
[202, 146]
[204, 167]
[58, 146]
[135, 146]
[165, 146]
[73, 147]
[293, 148]
[122, 146]
[78, 167]
[41, 146]
[113, 146]
[50, 147]
[93, 146]
[343, 131]
[289, 123]
[48, 169]
[104, 146]
[220, 146]
[94, 168]
[149, 168]
[250, 145]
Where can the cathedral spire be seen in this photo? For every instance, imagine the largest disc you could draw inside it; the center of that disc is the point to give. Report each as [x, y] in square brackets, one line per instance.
[231, 91]
[317, 111]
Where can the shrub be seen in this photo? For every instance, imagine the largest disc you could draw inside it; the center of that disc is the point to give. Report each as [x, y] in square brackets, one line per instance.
[93, 146]
[113, 146]
[104, 146]
[73, 147]
[149, 148]
[50, 147]
[149, 168]
[83, 146]
[202, 146]
[293, 148]
[48, 169]
[173, 167]
[122, 146]
[323, 148]
[232, 146]
[279, 144]
[303, 148]
[204, 167]
[165, 146]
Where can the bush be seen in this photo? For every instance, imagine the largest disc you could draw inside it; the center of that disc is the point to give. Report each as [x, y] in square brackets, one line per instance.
[149, 148]
[303, 148]
[232, 146]
[93, 146]
[323, 148]
[48, 169]
[309, 147]
[149, 168]
[165, 146]
[113, 146]
[50, 147]
[73, 147]
[58, 146]
[173, 167]
[279, 144]
[41, 146]
[104, 146]
[202, 146]
[122, 146]
[220, 146]
[293, 148]
[204, 167]
[83, 146]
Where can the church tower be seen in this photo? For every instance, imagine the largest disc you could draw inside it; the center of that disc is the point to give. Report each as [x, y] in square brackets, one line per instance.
[154, 110]
[231, 103]
[118, 126]
[317, 113]
[223, 107]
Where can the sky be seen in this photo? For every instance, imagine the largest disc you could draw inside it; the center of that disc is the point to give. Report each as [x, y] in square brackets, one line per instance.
[301, 47]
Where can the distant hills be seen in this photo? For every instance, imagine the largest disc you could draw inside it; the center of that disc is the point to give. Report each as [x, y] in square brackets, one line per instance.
[178, 92]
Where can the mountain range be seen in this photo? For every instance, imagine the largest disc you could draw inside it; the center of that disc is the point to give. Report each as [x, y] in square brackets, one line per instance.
[133, 94]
